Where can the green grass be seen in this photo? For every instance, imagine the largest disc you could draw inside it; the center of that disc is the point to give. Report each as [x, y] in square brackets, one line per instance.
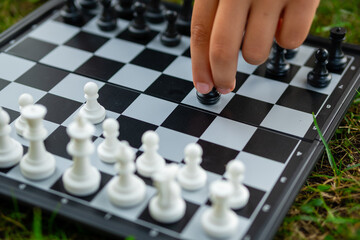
[328, 205]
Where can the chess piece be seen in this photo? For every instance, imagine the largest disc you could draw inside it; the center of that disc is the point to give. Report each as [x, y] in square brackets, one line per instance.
[337, 59]
[126, 189]
[167, 206]
[92, 110]
[291, 53]
[11, 151]
[81, 179]
[150, 161]
[88, 4]
[71, 13]
[278, 66]
[192, 176]
[183, 22]
[320, 77]
[219, 221]
[107, 21]
[124, 9]
[138, 27]
[154, 11]
[235, 174]
[210, 98]
[170, 37]
[37, 163]
[25, 99]
[107, 150]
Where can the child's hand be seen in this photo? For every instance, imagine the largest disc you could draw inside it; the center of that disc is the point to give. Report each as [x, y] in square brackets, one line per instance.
[220, 26]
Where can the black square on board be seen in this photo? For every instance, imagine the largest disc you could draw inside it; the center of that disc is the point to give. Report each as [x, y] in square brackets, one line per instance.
[152, 59]
[86, 41]
[116, 99]
[302, 99]
[99, 68]
[170, 88]
[3, 83]
[58, 108]
[261, 71]
[240, 79]
[187, 53]
[42, 77]
[126, 35]
[32, 49]
[187, 120]
[271, 145]
[246, 110]
[57, 141]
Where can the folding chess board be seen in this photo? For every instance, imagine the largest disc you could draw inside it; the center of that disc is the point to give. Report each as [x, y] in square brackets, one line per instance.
[265, 122]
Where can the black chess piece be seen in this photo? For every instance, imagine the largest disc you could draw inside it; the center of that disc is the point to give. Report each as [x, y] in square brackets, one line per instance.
[183, 22]
[124, 9]
[88, 4]
[154, 11]
[277, 65]
[107, 21]
[337, 59]
[210, 98]
[291, 53]
[320, 77]
[71, 13]
[138, 27]
[170, 37]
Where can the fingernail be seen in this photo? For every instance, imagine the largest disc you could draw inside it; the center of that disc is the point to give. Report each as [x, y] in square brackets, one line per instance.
[203, 88]
[224, 91]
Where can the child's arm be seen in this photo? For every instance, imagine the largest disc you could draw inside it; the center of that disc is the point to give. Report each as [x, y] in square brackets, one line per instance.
[220, 26]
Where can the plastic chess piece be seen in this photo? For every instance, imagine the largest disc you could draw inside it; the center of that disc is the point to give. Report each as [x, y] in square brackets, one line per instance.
[150, 161]
[81, 179]
[278, 66]
[167, 206]
[154, 12]
[320, 77]
[107, 150]
[219, 221]
[25, 99]
[11, 151]
[124, 9]
[170, 37]
[92, 110]
[210, 98]
[126, 189]
[37, 163]
[192, 176]
[71, 13]
[107, 21]
[291, 53]
[88, 4]
[235, 174]
[337, 59]
[183, 22]
[138, 27]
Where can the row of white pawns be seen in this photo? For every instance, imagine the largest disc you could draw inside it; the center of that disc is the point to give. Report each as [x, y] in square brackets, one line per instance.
[126, 189]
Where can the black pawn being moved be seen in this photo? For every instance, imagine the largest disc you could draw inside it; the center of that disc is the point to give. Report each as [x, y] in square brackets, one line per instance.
[107, 20]
[138, 27]
[278, 66]
[170, 37]
[320, 77]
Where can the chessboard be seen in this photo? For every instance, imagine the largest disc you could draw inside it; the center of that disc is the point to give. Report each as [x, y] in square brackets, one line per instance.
[266, 122]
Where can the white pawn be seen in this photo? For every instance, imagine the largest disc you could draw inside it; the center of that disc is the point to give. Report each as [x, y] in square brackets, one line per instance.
[235, 173]
[192, 176]
[11, 151]
[126, 189]
[167, 206]
[81, 179]
[107, 150]
[25, 99]
[37, 163]
[219, 221]
[150, 161]
[92, 110]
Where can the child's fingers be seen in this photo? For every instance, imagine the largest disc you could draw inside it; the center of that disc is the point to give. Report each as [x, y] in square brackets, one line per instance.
[202, 21]
[225, 42]
[260, 30]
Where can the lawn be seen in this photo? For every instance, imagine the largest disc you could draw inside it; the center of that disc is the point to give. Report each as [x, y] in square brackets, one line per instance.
[328, 205]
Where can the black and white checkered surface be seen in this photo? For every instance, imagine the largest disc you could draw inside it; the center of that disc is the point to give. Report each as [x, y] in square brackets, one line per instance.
[267, 123]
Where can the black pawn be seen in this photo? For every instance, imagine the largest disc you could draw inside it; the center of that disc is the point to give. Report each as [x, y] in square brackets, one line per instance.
[107, 21]
[71, 14]
[138, 27]
[291, 53]
[183, 22]
[320, 77]
[88, 4]
[154, 12]
[124, 9]
[278, 66]
[210, 98]
[337, 59]
[170, 37]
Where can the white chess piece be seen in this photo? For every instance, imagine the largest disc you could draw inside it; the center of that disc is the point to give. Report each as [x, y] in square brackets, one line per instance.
[81, 179]
[150, 161]
[37, 163]
[235, 173]
[126, 189]
[11, 151]
[167, 206]
[219, 221]
[25, 99]
[92, 110]
[192, 176]
[108, 149]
